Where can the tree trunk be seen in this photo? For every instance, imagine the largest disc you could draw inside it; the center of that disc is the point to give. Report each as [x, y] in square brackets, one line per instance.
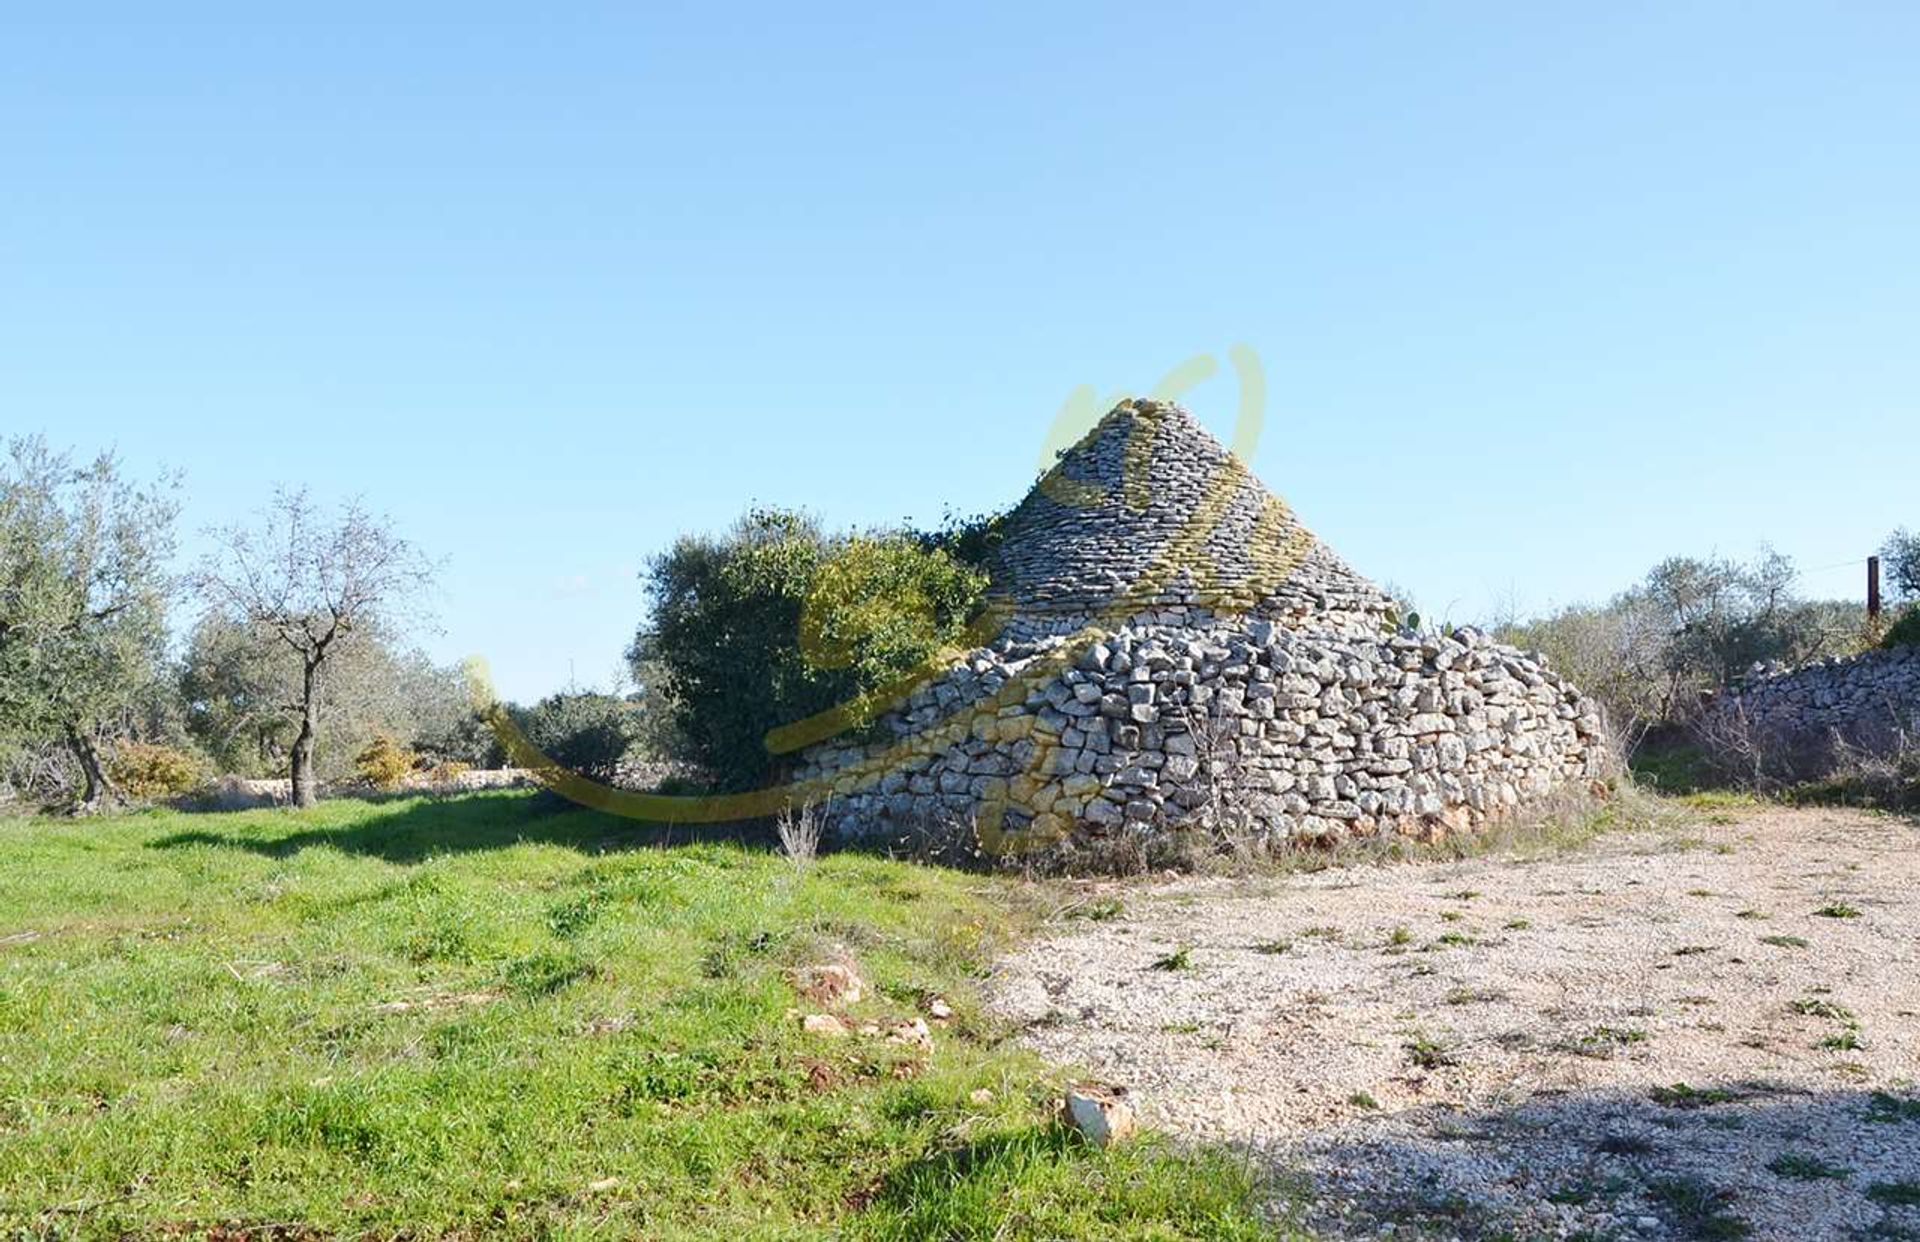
[99, 789]
[305, 791]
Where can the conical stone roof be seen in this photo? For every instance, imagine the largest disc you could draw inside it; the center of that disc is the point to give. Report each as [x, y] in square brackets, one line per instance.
[1148, 511]
[1175, 648]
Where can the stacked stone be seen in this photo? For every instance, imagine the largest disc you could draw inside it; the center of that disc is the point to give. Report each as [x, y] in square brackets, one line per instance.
[1308, 736]
[1865, 700]
[1177, 646]
[1149, 514]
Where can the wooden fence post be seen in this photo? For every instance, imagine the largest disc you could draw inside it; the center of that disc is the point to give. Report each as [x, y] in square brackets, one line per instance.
[1873, 588]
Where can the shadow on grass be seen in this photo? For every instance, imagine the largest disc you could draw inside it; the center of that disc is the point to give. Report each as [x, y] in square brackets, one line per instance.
[1047, 1181]
[413, 830]
[1668, 762]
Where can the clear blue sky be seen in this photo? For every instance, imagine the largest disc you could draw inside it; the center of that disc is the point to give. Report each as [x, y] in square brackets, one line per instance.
[1544, 292]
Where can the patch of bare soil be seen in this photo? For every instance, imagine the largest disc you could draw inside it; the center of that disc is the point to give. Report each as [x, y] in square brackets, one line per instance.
[1709, 1035]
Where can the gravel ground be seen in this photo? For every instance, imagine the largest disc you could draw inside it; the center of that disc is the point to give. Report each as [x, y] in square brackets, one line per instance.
[1705, 1031]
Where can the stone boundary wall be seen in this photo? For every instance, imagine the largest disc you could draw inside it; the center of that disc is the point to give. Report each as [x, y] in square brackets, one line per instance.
[239, 793]
[1306, 736]
[1868, 700]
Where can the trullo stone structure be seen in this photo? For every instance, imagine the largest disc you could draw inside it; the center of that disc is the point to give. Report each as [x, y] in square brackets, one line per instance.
[1170, 646]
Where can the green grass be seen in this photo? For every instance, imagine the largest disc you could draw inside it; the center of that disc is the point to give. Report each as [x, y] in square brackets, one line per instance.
[1603, 1041]
[469, 1018]
[1180, 959]
[1895, 1194]
[1813, 1007]
[1671, 769]
[1680, 1095]
[1694, 1209]
[1474, 996]
[1427, 1053]
[1890, 1109]
[1802, 1167]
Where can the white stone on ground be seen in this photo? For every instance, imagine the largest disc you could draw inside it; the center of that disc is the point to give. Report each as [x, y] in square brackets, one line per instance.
[1564, 992]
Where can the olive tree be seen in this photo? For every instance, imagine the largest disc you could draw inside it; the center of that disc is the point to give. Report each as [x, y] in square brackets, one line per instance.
[1902, 556]
[1692, 627]
[311, 580]
[776, 621]
[83, 601]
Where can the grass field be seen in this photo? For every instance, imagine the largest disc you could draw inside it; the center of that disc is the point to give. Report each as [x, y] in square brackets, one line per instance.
[471, 1018]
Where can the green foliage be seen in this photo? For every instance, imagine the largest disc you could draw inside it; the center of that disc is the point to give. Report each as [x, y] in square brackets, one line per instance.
[83, 597]
[1889, 1109]
[1180, 959]
[383, 762]
[880, 607]
[463, 739]
[584, 732]
[322, 586]
[1681, 1095]
[1905, 631]
[1900, 557]
[235, 686]
[723, 640]
[456, 1018]
[240, 689]
[1805, 1167]
[1691, 626]
[971, 541]
[775, 622]
[1905, 1193]
[1696, 1209]
[1424, 1052]
[147, 770]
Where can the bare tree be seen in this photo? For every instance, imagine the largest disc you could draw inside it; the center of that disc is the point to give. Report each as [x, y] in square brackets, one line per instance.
[312, 580]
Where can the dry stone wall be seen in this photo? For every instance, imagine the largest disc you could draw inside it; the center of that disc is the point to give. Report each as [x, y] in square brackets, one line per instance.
[1175, 648]
[1869, 700]
[1306, 736]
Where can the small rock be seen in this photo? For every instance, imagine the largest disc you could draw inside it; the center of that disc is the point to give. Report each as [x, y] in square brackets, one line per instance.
[824, 1025]
[980, 1097]
[912, 1032]
[939, 1010]
[831, 984]
[1099, 1112]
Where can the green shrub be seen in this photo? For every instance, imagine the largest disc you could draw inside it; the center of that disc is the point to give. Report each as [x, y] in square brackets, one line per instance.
[383, 762]
[1904, 632]
[145, 770]
[1690, 626]
[880, 608]
[584, 732]
[776, 622]
[467, 740]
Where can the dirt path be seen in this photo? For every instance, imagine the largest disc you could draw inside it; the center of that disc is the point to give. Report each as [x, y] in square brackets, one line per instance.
[1658, 1036]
